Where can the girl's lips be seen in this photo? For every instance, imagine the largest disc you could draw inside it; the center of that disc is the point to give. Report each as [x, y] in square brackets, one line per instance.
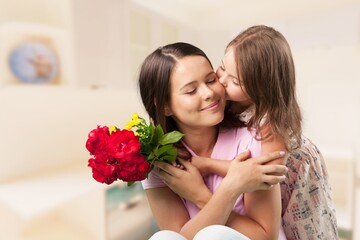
[211, 106]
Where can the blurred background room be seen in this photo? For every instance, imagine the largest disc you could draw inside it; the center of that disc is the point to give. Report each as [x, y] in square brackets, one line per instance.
[67, 66]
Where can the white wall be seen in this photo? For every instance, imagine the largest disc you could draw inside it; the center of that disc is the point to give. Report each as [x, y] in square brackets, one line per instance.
[329, 84]
[46, 12]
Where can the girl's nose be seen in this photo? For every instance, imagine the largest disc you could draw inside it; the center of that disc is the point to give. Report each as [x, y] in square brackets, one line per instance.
[221, 76]
[222, 80]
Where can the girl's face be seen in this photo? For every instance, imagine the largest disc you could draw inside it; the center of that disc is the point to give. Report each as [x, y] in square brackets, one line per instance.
[227, 74]
[197, 99]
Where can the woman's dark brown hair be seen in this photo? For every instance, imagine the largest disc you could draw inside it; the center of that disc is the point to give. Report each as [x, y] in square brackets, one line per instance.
[266, 69]
[154, 80]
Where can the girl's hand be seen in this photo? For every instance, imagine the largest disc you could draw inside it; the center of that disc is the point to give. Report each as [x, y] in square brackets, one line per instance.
[201, 164]
[252, 174]
[187, 183]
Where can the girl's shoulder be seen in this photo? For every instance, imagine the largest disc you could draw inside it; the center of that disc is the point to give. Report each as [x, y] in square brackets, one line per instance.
[306, 155]
[246, 115]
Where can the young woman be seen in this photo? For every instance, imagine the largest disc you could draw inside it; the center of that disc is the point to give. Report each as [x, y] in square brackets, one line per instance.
[180, 91]
[258, 74]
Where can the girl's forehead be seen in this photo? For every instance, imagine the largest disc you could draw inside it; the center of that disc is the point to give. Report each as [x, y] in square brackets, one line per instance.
[228, 61]
[229, 54]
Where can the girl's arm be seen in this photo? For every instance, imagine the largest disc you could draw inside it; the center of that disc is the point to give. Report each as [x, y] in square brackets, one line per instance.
[220, 167]
[265, 206]
[217, 208]
[210, 165]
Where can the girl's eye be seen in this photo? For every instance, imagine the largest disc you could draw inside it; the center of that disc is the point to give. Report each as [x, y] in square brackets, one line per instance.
[235, 81]
[211, 81]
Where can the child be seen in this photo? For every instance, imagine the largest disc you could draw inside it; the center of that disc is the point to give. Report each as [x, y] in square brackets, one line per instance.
[258, 74]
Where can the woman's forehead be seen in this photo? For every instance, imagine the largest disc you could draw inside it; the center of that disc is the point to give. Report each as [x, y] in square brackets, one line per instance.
[191, 68]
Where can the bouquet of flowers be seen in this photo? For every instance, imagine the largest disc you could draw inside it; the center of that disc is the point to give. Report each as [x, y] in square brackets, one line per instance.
[129, 154]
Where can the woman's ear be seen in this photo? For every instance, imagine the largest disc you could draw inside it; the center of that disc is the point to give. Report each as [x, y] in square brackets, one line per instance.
[168, 111]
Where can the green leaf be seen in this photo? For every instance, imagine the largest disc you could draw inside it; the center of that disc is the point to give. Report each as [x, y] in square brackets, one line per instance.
[172, 152]
[150, 157]
[155, 151]
[164, 150]
[170, 155]
[168, 158]
[158, 134]
[171, 137]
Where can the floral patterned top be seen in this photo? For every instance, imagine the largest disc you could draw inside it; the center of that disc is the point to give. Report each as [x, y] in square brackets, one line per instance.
[307, 207]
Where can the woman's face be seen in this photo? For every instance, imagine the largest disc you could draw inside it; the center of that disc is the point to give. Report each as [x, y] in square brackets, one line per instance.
[227, 74]
[197, 97]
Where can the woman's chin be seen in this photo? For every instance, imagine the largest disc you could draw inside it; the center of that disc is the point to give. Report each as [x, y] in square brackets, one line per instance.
[217, 120]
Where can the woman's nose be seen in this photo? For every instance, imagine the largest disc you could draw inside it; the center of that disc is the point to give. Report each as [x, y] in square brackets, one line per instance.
[207, 93]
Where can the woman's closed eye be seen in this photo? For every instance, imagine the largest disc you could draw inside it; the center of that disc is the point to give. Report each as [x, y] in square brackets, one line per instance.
[211, 81]
[191, 91]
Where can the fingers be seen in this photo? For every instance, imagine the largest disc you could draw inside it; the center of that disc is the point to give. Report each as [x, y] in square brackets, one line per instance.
[274, 169]
[166, 167]
[186, 164]
[272, 179]
[270, 156]
[178, 164]
[243, 156]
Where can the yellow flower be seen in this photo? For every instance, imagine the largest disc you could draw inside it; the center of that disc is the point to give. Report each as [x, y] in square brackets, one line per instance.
[133, 122]
[135, 119]
[129, 125]
[112, 129]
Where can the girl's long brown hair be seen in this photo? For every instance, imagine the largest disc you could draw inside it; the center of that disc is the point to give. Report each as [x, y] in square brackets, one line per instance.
[266, 69]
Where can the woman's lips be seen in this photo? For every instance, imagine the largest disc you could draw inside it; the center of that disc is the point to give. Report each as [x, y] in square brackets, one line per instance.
[211, 106]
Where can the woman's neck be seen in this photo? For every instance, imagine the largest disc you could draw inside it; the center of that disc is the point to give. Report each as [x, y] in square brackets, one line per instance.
[201, 141]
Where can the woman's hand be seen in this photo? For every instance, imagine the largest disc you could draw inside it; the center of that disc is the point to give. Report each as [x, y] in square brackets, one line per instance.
[252, 174]
[182, 152]
[187, 183]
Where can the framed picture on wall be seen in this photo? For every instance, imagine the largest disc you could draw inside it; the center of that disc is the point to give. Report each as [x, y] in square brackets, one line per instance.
[34, 54]
[34, 60]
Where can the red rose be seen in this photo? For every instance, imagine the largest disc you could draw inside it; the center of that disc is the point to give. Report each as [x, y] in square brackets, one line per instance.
[103, 171]
[123, 143]
[133, 168]
[97, 142]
